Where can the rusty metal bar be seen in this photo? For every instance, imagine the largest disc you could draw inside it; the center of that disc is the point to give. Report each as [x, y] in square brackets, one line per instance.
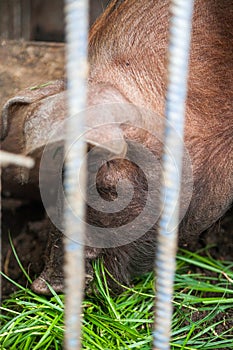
[15, 20]
[26, 32]
[76, 13]
[180, 34]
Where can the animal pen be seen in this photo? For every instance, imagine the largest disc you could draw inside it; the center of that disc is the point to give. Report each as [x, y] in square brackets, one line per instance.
[76, 19]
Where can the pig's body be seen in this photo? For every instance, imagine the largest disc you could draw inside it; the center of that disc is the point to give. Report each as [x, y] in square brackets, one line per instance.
[128, 48]
[127, 52]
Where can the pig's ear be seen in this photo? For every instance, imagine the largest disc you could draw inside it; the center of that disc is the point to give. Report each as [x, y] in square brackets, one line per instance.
[25, 97]
[108, 137]
[108, 110]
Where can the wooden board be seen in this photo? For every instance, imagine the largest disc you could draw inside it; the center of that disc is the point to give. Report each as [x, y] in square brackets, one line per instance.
[24, 64]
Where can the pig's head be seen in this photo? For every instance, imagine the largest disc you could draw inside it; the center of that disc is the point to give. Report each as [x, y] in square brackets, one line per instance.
[124, 147]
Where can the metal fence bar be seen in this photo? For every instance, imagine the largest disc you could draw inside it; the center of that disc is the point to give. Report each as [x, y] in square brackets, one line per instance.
[76, 13]
[15, 19]
[180, 33]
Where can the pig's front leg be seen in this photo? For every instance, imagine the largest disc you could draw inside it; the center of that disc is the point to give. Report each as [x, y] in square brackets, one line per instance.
[53, 269]
[52, 273]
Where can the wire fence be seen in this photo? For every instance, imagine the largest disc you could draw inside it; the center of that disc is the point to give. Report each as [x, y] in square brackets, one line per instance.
[76, 17]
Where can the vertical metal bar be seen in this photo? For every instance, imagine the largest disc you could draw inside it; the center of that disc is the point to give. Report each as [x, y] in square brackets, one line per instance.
[15, 19]
[180, 33]
[76, 13]
[6, 20]
[26, 19]
[17, 24]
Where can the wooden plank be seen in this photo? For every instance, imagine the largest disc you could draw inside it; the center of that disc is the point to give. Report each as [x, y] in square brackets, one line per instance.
[15, 20]
[24, 64]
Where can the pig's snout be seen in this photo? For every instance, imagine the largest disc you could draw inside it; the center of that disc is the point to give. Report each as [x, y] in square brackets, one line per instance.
[121, 182]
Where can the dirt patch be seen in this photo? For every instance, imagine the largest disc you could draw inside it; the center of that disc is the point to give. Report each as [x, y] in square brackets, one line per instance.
[17, 223]
[24, 224]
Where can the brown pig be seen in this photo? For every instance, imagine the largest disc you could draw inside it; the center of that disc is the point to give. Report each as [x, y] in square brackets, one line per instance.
[127, 54]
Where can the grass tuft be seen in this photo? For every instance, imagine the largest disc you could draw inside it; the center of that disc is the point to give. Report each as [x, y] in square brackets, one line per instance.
[203, 315]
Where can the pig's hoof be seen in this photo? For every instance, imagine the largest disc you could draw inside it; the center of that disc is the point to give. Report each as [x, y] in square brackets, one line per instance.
[40, 286]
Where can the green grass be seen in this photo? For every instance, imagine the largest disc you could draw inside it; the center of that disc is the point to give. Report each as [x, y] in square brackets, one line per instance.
[203, 302]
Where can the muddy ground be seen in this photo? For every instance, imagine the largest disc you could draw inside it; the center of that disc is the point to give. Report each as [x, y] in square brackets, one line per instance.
[22, 222]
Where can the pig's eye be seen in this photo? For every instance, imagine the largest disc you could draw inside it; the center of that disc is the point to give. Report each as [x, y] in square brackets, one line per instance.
[96, 158]
[94, 166]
